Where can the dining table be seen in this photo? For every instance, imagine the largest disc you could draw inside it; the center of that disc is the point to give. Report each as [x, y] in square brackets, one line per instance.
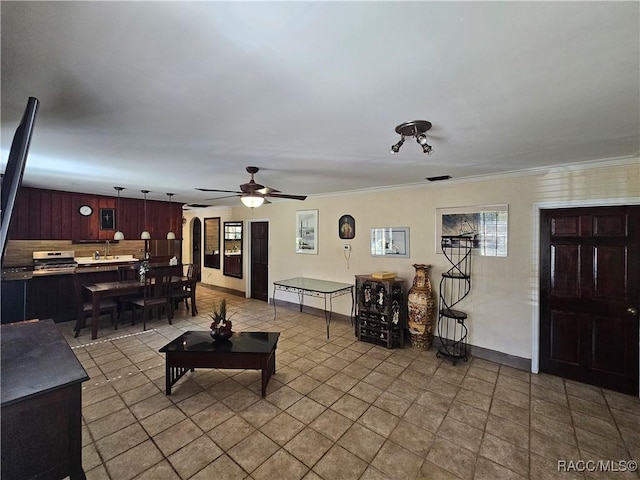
[102, 290]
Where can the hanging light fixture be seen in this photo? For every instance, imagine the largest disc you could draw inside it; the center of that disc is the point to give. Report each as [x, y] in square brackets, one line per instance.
[145, 235]
[170, 234]
[415, 128]
[252, 200]
[118, 235]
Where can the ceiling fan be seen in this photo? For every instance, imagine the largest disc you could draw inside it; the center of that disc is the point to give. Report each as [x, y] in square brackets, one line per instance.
[253, 194]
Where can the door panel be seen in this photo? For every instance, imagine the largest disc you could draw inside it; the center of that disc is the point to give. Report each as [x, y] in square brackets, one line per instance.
[565, 258]
[590, 277]
[260, 260]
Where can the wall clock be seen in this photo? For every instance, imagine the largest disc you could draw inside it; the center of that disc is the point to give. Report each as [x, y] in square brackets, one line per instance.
[85, 210]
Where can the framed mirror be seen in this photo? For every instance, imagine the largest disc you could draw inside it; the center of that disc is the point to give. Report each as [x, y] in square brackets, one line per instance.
[212, 242]
[233, 249]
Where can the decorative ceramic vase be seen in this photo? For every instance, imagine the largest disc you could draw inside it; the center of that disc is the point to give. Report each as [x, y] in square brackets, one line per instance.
[422, 309]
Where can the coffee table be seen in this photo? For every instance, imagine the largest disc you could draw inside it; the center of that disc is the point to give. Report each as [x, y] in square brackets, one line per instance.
[196, 349]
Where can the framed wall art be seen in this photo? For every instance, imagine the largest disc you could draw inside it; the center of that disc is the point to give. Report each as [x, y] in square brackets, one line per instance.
[390, 241]
[486, 224]
[346, 227]
[107, 219]
[307, 231]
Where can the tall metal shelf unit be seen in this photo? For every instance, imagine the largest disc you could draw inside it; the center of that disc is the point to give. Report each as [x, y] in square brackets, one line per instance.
[454, 286]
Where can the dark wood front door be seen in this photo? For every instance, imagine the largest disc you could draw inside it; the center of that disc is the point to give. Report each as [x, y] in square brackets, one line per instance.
[590, 294]
[260, 260]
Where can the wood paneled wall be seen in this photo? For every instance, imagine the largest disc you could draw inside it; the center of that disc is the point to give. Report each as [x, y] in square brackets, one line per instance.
[51, 214]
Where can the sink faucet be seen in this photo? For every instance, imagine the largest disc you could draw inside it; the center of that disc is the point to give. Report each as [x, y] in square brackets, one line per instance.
[106, 248]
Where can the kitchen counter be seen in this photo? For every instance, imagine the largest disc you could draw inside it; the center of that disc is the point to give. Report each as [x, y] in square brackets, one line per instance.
[105, 260]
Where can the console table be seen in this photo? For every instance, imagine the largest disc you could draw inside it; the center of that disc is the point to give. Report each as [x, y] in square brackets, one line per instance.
[315, 288]
[41, 404]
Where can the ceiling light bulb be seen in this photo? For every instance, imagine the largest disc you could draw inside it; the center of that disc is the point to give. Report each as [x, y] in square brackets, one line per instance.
[396, 148]
[118, 235]
[252, 201]
[421, 139]
[426, 148]
[145, 235]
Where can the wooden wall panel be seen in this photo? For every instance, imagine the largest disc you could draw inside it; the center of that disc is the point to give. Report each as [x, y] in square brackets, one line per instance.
[53, 215]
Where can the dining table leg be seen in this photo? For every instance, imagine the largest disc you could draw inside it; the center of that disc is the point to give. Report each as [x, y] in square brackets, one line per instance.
[95, 315]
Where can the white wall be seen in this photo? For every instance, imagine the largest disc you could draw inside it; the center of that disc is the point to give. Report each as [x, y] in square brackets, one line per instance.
[502, 304]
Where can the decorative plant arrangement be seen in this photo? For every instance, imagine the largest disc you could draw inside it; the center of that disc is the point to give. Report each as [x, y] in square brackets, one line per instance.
[221, 325]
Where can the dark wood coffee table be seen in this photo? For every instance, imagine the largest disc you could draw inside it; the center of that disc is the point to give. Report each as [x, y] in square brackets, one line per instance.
[196, 349]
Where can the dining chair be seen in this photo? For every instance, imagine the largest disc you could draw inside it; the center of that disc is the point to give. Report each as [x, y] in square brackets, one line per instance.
[84, 308]
[186, 290]
[155, 295]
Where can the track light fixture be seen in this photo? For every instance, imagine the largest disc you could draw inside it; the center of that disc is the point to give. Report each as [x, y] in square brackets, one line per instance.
[417, 129]
[396, 148]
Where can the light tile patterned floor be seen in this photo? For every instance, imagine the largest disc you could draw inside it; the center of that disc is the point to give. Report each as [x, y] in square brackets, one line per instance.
[335, 409]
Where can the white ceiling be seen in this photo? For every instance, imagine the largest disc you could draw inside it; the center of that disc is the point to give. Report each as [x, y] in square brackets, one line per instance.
[176, 95]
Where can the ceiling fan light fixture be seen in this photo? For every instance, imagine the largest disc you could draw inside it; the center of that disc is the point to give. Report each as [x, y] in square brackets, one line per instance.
[252, 201]
[417, 129]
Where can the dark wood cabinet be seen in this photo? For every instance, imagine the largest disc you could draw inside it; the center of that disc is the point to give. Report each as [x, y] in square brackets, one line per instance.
[51, 296]
[233, 249]
[382, 310]
[53, 215]
[233, 265]
[41, 404]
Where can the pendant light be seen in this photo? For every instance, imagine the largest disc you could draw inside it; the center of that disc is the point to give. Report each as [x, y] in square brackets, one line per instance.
[170, 234]
[145, 235]
[118, 235]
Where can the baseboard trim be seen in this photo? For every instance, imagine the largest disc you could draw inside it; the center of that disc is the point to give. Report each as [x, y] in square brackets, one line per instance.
[317, 312]
[230, 291]
[495, 356]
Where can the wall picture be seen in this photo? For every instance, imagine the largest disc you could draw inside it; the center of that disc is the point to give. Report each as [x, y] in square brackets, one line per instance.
[486, 224]
[390, 241]
[107, 219]
[307, 232]
[346, 227]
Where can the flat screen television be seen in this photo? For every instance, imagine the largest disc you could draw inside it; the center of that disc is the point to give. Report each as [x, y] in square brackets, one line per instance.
[12, 178]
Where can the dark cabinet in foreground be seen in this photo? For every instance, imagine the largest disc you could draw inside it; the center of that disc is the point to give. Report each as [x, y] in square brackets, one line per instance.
[41, 411]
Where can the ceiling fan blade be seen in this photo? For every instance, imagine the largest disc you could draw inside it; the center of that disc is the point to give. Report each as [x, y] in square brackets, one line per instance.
[284, 195]
[250, 187]
[220, 198]
[216, 190]
[196, 205]
[267, 191]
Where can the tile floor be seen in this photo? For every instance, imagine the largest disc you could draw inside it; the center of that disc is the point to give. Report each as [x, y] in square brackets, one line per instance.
[335, 409]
